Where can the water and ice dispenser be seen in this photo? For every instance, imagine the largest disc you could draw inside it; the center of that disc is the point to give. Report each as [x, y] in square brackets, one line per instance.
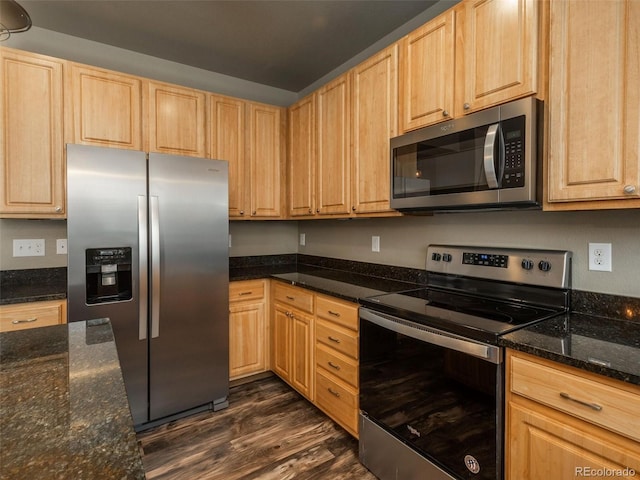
[108, 275]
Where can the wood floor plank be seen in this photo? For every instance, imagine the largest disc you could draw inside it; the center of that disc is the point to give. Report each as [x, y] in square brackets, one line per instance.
[268, 432]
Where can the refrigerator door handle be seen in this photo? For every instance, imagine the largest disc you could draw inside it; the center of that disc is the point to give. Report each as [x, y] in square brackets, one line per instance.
[143, 262]
[155, 268]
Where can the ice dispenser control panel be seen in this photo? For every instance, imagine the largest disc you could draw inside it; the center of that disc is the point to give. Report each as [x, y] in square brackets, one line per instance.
[108, 275]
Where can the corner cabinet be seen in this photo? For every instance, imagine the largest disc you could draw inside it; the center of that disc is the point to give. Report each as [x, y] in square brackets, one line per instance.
[32, 176]
[248, 331]
[594, 105]
[562, 422]
[106, 108]
[293, 333]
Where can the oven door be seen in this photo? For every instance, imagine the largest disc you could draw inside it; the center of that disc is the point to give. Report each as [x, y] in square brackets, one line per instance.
[436, 393]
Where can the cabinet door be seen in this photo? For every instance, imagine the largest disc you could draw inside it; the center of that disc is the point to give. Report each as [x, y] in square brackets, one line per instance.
[107, 108]
[176, 120]
[594, 102]
[281, 352]
[302, 157]
[333, 148]
[21, 316]
[427, 62]
[227, 139]
[302, 353]
[31, 136]
[265, 154]
[375, 121]
[247, 339]
[497, 50]
[541, 446]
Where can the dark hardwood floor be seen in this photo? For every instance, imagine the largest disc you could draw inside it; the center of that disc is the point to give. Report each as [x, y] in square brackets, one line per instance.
[268, 432]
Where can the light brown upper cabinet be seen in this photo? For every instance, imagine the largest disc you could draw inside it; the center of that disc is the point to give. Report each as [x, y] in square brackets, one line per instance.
[302, 156]
[333, 150]
[427, 78]
[177, 121]
[106, 108]
[265, 153]
[594, 105]
[496, 52]
[227, 140]
[374, 121]
[32, 177]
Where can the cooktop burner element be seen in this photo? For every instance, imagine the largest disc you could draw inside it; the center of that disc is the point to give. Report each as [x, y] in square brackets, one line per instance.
[482, 293]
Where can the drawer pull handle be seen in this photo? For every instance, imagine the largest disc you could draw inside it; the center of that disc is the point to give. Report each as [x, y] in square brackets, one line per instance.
[333, 339]
[335, 314]
[246, 293]
[333, 365]
[333, 392]
[290, 297]
[594, 406]
[26, 320]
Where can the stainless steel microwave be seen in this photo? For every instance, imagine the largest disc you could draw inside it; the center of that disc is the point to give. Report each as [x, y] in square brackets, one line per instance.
[485, 160]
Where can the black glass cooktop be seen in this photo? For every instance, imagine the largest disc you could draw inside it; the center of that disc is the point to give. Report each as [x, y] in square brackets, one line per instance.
[481, 318]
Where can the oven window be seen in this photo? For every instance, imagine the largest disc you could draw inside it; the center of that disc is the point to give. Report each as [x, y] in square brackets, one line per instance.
[449, 164]
[438, 401]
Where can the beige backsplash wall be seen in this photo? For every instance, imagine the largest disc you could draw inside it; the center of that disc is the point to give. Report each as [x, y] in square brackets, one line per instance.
[403, 241]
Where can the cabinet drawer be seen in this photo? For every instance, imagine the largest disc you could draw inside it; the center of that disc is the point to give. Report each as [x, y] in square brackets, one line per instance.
[339, 338]
[599, 403]
[338, 401]
[337, 364]
[246, 290]
[342, 313]
[294, 296]
[30, 315]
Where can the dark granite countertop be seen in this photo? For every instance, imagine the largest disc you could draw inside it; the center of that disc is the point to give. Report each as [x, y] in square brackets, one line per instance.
[63, 409]
[600, 345]
[36, 285]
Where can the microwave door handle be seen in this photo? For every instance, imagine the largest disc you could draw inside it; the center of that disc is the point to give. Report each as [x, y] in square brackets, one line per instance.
[489, 156]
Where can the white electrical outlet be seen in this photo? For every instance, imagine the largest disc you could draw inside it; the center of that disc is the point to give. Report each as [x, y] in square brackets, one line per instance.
[303, 239]
[61, 246]
[600, 257]
[28, 247]
[375, 243]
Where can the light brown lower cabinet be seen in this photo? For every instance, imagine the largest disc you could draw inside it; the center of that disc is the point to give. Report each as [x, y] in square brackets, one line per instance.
[20, 316]
[565, 423]
[247, 328]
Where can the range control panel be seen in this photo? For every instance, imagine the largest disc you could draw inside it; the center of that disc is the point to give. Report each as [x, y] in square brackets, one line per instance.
[550, 268]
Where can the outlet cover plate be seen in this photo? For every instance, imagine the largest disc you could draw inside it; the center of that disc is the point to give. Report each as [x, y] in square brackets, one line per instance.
[600, 257]
[28, 247]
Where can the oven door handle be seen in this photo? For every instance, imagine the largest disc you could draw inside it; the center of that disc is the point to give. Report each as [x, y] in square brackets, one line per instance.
[489, 353]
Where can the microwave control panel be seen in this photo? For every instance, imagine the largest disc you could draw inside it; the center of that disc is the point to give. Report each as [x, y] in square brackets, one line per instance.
[513, 131]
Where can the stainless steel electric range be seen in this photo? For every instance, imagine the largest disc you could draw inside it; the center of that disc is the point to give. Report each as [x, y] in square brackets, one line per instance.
[431, 369]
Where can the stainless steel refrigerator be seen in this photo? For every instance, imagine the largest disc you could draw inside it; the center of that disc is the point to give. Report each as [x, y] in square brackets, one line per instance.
[148, 248]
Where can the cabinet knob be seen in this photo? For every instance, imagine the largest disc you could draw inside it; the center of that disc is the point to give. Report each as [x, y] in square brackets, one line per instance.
[317, 210]
[241, 212]
[310, 211]
[629, 189]
[254, 212]
[445, 113]
[466, 106]
[58, 209]
[353, 208]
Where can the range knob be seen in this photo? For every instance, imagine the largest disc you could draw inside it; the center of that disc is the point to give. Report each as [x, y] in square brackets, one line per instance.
[527, 264]
[436, 257]
[446, 257]
[544, 266]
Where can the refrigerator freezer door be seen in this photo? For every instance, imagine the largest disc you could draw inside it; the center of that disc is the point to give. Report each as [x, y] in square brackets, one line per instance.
[106, 197]
[189, 353]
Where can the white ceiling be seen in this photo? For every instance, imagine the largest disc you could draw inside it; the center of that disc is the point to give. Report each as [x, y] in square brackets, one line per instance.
[288, 44]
